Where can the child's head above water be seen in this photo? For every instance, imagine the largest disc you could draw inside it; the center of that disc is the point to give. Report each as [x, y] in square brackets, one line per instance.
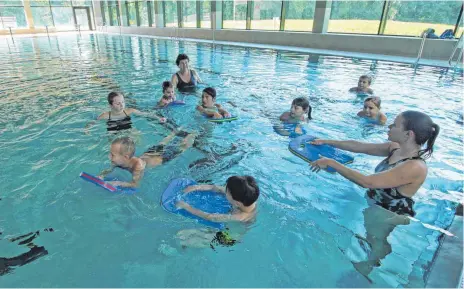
[208, 97]
[168, 90]
[364, 82]
[116, 101]
[372, 106]
[300, 107]
[122, 150]
[243, 190]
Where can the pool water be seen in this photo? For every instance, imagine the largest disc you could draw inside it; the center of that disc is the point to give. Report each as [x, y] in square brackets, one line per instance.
[304, 236]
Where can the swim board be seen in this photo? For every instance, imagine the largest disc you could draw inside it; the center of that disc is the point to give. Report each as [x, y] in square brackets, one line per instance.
[103, 184]
[206, 201]
[302, 148]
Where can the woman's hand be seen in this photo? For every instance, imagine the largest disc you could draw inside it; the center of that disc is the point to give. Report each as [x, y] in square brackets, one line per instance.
[321, 163]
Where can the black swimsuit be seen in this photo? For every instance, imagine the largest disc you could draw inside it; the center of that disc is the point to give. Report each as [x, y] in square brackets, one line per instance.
[119, 124]
[391, 199]
[186, 86]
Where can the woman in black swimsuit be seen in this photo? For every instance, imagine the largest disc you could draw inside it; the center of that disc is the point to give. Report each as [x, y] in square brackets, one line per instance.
[397, 178]
[185, 79]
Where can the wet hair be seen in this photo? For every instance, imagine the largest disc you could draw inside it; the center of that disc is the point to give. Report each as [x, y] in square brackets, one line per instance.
[181, 57]
[166, 85]
[243, 189]
[126, 146]
[211, 91]
[365, 76]
[425, 130]
[304, 103]
[375, 99]
[112, 95]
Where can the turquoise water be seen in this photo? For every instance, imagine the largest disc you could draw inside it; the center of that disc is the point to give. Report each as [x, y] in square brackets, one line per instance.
[304, 233]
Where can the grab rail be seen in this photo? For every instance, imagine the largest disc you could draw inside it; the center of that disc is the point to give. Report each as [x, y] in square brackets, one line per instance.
[419, 55]
[11, 34]
[450, 60]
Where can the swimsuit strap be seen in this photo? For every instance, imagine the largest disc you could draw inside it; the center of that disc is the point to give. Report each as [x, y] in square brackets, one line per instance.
[124, 112]
[109, 115]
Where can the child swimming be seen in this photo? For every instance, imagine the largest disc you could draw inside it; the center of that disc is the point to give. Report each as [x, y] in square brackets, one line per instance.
[119, 118]
[371, 110]
[299, 110]
[168, 94]
[122, 155]
[364, 84]
[209, 107]
[242, 192]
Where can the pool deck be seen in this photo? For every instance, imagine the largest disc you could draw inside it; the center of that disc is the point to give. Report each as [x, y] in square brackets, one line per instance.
[446, 270]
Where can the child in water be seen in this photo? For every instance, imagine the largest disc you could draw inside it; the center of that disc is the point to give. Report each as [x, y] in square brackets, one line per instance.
[119, 118]
[209, 107]
[168, 94]
[371, 110]
[122, 155]
[299, 111]
[242, 192]
[364, 84]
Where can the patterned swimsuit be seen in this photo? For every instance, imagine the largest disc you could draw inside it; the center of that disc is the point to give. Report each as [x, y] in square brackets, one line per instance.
[391, 199]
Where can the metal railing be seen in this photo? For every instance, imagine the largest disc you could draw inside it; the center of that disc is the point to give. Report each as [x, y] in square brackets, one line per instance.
[11, 34]
[421, 49]
[78, 28]
[456, 47]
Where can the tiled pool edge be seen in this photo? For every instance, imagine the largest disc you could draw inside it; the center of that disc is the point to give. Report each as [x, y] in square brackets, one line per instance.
[446, 270]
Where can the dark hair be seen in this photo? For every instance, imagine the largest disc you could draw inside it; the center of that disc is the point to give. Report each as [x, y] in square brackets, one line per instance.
[112, 95]
[211, 91]
[243, 189]
[166, 85]
[375, 99]
[127, 146]
[365, 76]
[304, 103]
[424, 129]
[181, 57]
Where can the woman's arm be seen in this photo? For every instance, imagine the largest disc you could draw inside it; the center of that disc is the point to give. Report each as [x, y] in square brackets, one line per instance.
[174, 80]
[145, 114]
[403, 174]
[197, 77]
[382, 149]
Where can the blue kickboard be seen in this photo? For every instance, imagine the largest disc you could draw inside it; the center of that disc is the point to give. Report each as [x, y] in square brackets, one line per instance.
[288, 129]
[302, 148]
[206, 201]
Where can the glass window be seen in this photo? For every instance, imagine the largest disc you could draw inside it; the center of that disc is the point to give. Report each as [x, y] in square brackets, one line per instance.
[63, 17]
[205, 14]
[265, 15]
[234, 14]
[60, 3]
[356, 16]
[170, 13]
[189, 13]
[11, 3]
[299, 15]
[82, 2]
[42, 16]
[13, 17]
[40, 3]
[131, 13]
[113, 10]
[105, 12]
[143, 13]
[411, 18]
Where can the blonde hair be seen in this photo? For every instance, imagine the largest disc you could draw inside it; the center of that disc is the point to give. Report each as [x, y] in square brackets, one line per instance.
[126, 146]
[375, 100]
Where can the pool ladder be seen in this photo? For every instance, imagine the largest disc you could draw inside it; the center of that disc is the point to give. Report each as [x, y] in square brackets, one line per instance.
[421, 49]
[455, 49]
